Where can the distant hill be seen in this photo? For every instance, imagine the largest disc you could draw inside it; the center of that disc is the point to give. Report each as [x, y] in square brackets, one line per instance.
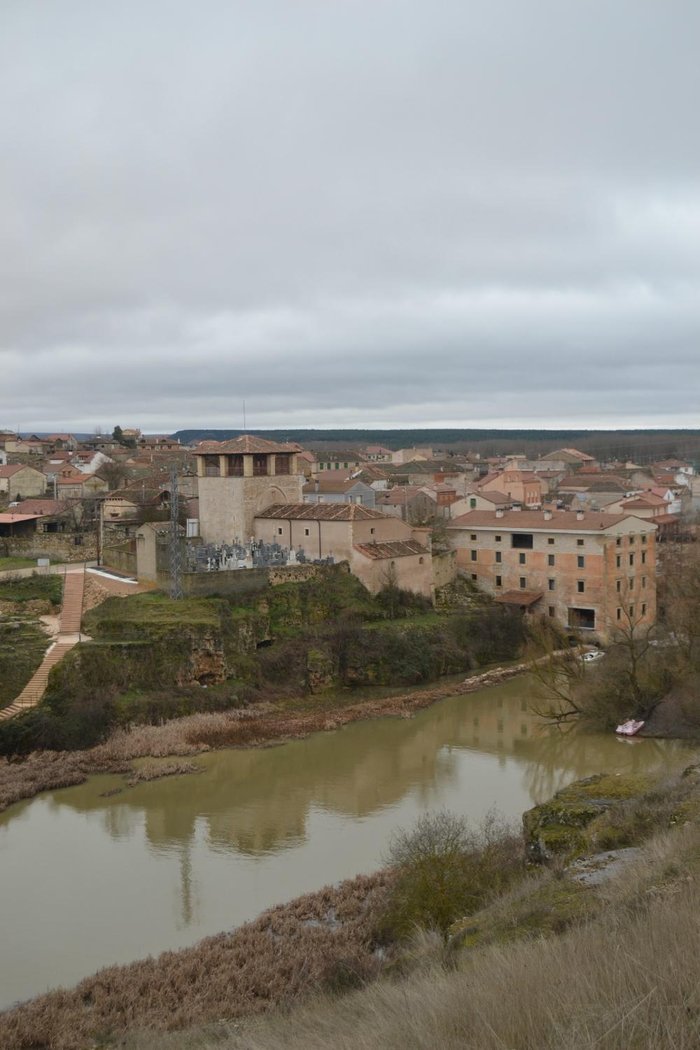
[641, 445]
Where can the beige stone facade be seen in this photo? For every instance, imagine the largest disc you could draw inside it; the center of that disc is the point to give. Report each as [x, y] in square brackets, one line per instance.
[20, 482]
[379, 549]
[593, 572]
[239, 479]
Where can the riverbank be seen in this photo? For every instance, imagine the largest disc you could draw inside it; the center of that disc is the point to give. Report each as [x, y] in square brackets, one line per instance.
[255, 726]
[628, 872]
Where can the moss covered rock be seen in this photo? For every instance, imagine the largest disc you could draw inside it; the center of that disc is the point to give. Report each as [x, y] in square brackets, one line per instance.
[559, 827]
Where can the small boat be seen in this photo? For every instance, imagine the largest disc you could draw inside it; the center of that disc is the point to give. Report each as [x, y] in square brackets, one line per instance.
[629, 728]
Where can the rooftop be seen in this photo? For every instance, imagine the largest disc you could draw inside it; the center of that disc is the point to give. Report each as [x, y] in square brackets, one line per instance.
[530, 520]
[321, 512]
[246, 444]
[394, 549]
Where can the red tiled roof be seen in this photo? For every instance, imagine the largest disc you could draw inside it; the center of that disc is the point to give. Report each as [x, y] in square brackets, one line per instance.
[401, 494]
[526, 598]
[42, 506]
[321, 512]
[531, 520]
[246, 444]
[10, 470]
[393, 549]
[13, 519]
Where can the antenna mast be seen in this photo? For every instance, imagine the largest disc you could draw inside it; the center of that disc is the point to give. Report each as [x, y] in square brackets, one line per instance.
[175, 544]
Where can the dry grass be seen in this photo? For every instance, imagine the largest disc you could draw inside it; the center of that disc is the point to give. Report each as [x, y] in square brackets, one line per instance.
[323, 940]
[631, 979]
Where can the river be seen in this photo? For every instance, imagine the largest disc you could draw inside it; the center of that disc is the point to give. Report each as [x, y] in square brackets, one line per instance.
[88, 878]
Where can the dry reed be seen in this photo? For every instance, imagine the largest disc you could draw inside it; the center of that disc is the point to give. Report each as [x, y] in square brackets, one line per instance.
[324, 939]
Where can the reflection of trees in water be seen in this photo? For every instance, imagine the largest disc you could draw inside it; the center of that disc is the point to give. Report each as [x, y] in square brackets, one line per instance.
[258, 801]
[563, 755]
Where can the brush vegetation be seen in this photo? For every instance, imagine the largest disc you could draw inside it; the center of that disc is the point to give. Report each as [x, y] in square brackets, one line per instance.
[599, 952]
[22, 647]
[21, 589]
[150, 656]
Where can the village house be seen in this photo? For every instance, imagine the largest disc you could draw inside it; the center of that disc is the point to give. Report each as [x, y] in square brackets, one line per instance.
[376, 454]
[80, 486]
[379, 549]
[411, 455]
[411, 503]
[592, 572]
[19, 480]
[338, 490]
[480, 501]
[521, 486]
[565, 459]
[337, 460]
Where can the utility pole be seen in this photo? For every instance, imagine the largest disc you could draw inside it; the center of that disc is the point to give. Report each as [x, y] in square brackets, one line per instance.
[175, 540]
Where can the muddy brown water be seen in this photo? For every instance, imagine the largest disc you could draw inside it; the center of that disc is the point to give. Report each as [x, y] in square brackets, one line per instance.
[89, 879]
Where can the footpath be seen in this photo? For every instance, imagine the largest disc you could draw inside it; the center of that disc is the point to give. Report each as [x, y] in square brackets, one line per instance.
[68, 636]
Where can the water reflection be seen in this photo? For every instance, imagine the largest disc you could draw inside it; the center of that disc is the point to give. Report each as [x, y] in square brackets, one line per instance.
[163, 863]
[257, 802]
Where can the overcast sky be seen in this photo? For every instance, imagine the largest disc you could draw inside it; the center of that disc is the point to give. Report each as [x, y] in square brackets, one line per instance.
[349, 212]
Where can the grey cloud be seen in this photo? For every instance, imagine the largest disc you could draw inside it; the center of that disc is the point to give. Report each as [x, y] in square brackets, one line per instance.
[351, 213]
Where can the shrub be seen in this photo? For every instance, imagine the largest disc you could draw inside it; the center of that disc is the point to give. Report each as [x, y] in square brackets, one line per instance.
[446, 870]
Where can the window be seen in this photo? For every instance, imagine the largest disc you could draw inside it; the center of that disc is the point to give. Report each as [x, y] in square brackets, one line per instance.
[580, 586]
[619, 614]
[499, 581]
[521, 559]
[421, 560]
[582, 619]
[474, 577]
[631, 612]
[259, 465]
[619, 586]
[644, 608]
[499, 557]
[307, 532]
[631, 559]
[371, 532]
[618, 561]
[472, 536]
[551, 584]
[579, 543]
[644, 537]
[550, 540]
[521, 541]
[523, 583]
[473, 555]
[282, 464]
[618, 541]
[498, 539]
[279, 531]
[472, 503]
[644, 581]
[630, 583]
[550, 559]
[550, 610]
[644, 557]
[581, 562]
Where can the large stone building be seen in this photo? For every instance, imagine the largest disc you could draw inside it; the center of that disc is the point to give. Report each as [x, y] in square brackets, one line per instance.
[239, 478]
[593, 572]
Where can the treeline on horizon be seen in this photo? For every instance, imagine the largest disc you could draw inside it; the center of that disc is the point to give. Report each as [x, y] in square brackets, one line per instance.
[643, 446]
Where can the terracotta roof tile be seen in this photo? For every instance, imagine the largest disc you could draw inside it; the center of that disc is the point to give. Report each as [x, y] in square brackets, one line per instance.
[321, 512]
[392, 549]
[246, 443]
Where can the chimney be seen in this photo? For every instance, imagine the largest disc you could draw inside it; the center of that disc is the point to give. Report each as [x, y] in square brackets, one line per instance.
[548, 515]
[579, 515]
[499, 513]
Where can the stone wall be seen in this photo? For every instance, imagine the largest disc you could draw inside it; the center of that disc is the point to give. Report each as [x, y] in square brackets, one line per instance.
[121, 558]
[58, 546]
[444, 568]
[240, 581]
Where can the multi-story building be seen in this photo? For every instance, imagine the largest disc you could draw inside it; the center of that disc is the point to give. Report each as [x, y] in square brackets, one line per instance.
[593, 572]
[239, 478]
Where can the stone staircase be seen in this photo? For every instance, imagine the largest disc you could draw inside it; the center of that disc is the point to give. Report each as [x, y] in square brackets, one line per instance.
[68, 637]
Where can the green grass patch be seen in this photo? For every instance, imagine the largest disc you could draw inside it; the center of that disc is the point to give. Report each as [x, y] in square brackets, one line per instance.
[116, 616]
[16, 563]
[22, 648]
[32, 588]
